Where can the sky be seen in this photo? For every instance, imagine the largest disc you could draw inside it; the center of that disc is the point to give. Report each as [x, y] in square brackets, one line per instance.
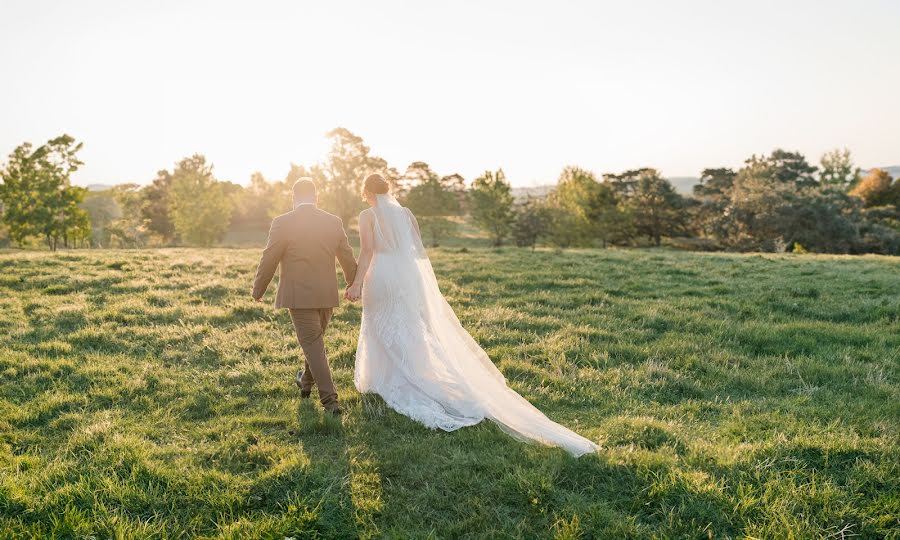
[465, 85]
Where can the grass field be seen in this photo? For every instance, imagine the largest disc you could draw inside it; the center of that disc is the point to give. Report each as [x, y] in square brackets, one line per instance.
[143, 394]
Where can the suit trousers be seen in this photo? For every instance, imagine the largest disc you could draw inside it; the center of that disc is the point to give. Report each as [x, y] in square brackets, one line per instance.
[310, 325]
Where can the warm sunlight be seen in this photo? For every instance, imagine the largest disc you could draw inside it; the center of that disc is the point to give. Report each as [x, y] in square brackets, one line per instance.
[465, 86]
[481, 269]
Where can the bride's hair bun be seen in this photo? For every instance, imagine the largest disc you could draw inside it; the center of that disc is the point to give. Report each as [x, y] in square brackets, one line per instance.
[375, 184]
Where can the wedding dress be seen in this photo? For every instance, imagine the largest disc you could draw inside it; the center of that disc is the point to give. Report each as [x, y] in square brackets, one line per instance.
[416, 355]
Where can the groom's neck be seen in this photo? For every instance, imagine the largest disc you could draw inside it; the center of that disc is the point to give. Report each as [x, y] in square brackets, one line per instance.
[300, 202]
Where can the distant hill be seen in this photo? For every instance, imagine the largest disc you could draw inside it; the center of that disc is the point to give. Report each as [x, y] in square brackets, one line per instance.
[893, 170]
[538, 192]
[98, 187]
[684, 184]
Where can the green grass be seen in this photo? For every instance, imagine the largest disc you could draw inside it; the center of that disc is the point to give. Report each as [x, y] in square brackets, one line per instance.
[143, 394]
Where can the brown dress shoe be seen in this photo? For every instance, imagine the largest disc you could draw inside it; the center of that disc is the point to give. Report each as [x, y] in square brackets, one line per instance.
[304, 394]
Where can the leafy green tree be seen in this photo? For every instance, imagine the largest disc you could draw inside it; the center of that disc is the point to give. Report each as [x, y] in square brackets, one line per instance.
[657, 209]
[837, 169]
[576, 194]
[103, 211]
[77, 226]
[156, 205]
[199, 207]
[709, 214]
[788, 168]
[130, 230]
[563, 227]
[773, 214]
[820, 220]
[492, 202]
[4, 231]
[715, 183]
[256, 204]
[877, 237]
[432, 199]
[116, 216]
[339, 178]
[456, 184]
[755, 201]
[593, 208]
[625, 183]
[532, 222]
[296, 173]
[37, 196]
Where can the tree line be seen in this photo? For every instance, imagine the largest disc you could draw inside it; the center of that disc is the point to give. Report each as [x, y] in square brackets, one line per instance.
[775, 202]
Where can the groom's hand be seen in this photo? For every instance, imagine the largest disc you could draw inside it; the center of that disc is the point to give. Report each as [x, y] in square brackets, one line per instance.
[353, 292]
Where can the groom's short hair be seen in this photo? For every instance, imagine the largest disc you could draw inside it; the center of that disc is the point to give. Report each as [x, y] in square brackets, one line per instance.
[304, 188]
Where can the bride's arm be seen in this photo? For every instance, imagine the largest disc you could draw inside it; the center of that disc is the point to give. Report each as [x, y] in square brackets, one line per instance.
[366, 251]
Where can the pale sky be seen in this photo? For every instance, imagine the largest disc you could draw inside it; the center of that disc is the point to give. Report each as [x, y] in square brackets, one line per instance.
[463, 85]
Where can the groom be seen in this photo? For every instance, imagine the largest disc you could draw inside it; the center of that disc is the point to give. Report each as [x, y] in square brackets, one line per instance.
[305, 242]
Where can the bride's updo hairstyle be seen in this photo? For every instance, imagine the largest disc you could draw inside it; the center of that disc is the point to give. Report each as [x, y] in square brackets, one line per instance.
[375, 184]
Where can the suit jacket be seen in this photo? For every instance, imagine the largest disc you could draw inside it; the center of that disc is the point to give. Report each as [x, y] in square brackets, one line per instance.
[305, 242]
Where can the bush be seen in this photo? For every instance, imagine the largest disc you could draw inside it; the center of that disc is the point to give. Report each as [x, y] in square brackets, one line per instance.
[876, 238]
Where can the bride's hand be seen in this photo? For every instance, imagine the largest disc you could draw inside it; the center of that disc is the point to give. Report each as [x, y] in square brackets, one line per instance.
[353, 292]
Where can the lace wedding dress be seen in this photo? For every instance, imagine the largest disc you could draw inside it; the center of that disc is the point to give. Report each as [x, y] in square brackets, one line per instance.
[416, 355]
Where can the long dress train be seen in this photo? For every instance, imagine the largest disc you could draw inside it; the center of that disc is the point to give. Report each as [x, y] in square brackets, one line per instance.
[414, 352]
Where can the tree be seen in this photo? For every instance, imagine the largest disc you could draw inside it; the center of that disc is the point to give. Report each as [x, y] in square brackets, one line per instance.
[715, 183]
[838, 169]
[456, 184]
[712, 195]
[880, 196]
[576, 194]
[256, 204]
[492, 200]
[755, 201]
[657, 209]
[624, 184]
[769, 212]
[37, 196]
[432, 198]
[155, 207]
[878, 189]
[199, 207]
[532, 221]
[77, 226]
[820, 220]
[296, 173]
[340, 177]
[130, 230]
[789, 168]
[103, 210]
[593, 208]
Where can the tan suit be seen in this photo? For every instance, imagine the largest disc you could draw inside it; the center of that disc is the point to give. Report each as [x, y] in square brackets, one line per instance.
[305, 242]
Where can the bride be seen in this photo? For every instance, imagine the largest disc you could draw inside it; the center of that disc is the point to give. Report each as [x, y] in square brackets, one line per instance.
[412, 349]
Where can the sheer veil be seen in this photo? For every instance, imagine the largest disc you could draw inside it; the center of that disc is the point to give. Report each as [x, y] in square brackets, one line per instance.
[414, 352]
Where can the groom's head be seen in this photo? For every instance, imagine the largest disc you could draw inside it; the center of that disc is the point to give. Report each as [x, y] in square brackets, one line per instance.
[305, 191]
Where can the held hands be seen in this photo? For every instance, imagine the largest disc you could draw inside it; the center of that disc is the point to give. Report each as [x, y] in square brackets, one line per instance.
[353, 292]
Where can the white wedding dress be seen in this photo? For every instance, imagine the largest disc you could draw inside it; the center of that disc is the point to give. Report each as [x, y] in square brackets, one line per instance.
[416, 355]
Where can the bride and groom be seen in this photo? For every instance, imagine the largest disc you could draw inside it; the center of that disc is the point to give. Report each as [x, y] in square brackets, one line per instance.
[412, 349]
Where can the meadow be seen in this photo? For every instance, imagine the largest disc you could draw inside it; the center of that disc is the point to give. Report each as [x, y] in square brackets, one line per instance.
[143, 394]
